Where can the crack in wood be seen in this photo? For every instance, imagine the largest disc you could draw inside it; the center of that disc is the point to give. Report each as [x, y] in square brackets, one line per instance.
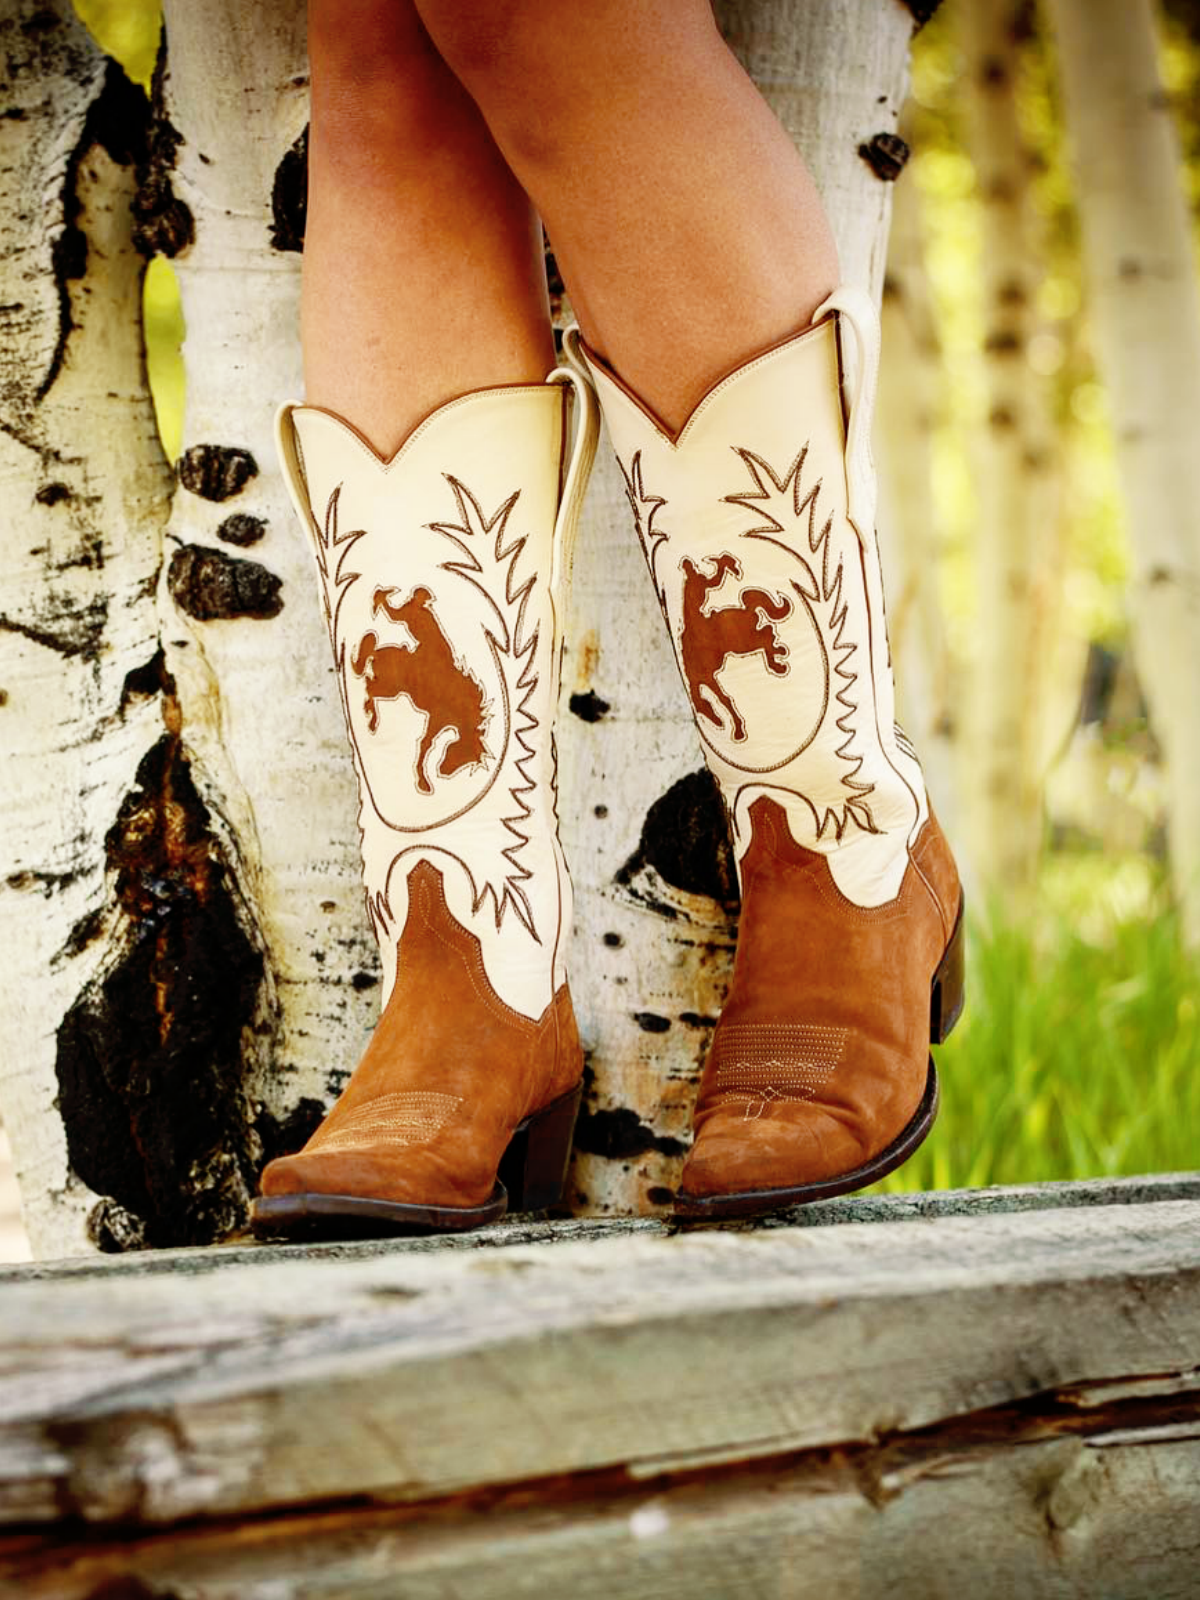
[880, 1471]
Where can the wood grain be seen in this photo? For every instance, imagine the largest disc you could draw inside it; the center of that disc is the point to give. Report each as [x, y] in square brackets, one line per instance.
[412, 1377]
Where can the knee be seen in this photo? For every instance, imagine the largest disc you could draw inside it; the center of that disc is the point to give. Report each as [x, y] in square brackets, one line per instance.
[508, 55]
[377, 82]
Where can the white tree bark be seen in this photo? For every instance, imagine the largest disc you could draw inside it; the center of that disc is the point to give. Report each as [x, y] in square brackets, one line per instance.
[911, 401]
[85, 485]
[1145, 310]
[1017, 512]
[642, 826]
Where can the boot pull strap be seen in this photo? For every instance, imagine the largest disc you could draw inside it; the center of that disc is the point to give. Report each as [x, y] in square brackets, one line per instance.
[586, 436]
[857, 310]
[287, 449]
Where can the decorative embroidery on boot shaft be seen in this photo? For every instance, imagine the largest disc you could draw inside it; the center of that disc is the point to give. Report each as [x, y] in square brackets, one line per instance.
[762, 629]
[390, 1120]
[759, 1062]
[450, 677]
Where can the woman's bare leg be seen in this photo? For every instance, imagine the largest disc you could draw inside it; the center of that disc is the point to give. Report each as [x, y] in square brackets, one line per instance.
[423, 275]
[688, 229]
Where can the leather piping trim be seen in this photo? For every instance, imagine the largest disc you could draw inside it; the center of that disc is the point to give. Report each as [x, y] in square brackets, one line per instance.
[388, 462]
[674, 436]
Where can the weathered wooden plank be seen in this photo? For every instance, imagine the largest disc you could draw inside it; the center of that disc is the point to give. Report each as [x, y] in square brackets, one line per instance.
[407, 1378]
[1008, 1505]
[922, 1204]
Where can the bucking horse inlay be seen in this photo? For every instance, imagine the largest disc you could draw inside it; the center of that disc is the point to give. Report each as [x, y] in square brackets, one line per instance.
[428, 673]
[710, 638]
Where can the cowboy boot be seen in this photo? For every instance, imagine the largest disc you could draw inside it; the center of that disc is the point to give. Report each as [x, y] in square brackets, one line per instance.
[757, 522]
[442, 575]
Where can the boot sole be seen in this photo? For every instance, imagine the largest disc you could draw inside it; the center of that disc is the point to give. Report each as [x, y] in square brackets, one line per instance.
[530, 1177]
[945, 1007]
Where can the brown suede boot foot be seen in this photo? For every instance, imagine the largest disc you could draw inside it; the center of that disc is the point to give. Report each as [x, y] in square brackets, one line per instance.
[452, 1080]
[819, 1079]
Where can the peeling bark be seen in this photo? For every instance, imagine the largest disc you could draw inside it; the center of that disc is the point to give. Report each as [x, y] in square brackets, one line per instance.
[150, 1064]
[144, 1002]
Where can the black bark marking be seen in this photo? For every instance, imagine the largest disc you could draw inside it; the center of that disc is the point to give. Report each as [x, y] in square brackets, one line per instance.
[922, 10]
[694, 1019]
[651, 1022]
[614, 941]
[150, 678]
[589, 707]
[686, 840]
[242, 529]
[620, 1135]
[162, 224]
[51, 493]
[216, 471]
[48, 882]
[885, 154]
[85, 932]
[117, 120]
[115, 1231]
[364, 980]
[209, 585]
[283, 1136]
[150, 1064]
[70, 632]
[289, 198]
[658, 1195]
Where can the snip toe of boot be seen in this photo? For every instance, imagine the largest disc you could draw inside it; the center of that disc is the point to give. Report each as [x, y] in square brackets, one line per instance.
[745, 1168]
[331, 1194]
[735, 1155]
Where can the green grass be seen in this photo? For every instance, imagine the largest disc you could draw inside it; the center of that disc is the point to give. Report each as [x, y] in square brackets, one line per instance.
[1079, 1052]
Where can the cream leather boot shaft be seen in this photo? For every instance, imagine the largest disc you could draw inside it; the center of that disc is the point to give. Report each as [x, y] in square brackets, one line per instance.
[757, 520]
[440, 573]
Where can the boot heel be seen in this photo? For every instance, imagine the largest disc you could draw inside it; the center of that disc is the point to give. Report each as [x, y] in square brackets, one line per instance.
[534, 1167]
[947, 994]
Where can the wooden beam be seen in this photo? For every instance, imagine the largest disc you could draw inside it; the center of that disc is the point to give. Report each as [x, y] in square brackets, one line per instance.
[922, 1204]
[409, 1378]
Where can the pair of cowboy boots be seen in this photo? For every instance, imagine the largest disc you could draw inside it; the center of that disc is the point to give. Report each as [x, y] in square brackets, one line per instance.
[442, 573]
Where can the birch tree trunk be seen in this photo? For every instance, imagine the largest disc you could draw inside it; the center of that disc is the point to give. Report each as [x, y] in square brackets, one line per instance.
[85, 487]
[1145, 310]
[188, 957]
[645, 836]
[911, 400]
[1017, 510]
